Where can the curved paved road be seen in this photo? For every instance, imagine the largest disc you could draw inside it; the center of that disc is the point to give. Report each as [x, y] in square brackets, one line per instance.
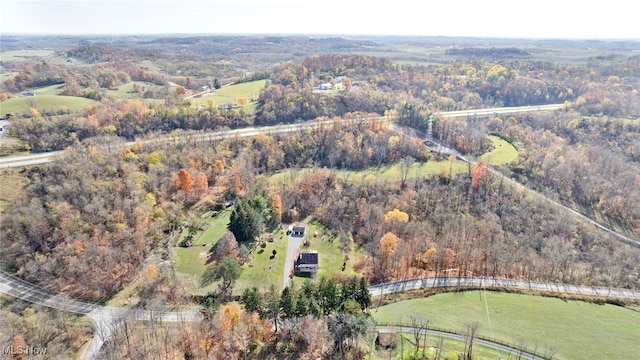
[19, 161]
[487, 343]
[482, 282]
[107, 318]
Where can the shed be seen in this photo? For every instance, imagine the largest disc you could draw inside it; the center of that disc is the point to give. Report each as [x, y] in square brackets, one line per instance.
[299, 229]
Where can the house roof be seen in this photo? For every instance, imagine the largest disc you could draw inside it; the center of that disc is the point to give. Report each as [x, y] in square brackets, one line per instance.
[299, 228]
[307, 258]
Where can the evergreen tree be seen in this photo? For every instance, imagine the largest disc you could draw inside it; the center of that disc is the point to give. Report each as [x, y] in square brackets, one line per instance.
[329, 295]
[362, 295]
[314, 308]
[252, 300]
[272, 305]
[245, 222]
[348, 290]
[302, 305]
[287, 304]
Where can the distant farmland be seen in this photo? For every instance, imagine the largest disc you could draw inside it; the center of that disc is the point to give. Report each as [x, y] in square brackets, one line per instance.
[44, 103]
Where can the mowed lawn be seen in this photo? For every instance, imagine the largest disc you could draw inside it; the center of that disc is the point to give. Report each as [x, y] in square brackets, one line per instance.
[265, 269]
[21, 105]
[330, 256]
[230, 94]
[579, 330]
[191, 262]
[502, 153]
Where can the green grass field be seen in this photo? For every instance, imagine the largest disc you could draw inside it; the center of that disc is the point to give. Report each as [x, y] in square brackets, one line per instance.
[21, 55]
[125, 91]
[230, 94]
[48, 90]
[190, 262]
[21, 105]
[330, 256]
[450, 349]
[502, 153]
[264, 270]
[579, 330]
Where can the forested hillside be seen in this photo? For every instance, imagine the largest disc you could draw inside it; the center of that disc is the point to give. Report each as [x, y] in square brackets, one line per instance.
[135, 180]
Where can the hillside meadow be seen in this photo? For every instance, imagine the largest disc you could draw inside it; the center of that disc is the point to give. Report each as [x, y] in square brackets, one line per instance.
[577, 329]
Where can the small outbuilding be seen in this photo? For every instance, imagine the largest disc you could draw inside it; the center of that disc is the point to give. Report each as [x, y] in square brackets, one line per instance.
[298, 229]
[387, 339]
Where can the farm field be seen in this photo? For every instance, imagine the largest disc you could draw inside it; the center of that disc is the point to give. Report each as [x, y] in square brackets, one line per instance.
[47, 90]
[503, 153]
[579, 330]
[43, 103]
[230, 94]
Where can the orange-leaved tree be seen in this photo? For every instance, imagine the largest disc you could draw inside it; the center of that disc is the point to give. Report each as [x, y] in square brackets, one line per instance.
[184, 181]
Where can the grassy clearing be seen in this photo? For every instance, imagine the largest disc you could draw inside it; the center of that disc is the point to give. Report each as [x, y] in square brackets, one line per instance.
[388, 172]
[191, 260]
[230, 94]
[450, 349]
[7, 75]
[262, 271]
[125, 91]
[21, 105]
[21, 55]
[503, 152]
[48, 90]
[149, 65]
[579, 330]
[265, 270]
[331, 257]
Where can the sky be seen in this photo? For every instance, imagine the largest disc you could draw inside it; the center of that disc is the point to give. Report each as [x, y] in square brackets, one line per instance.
[613, 19]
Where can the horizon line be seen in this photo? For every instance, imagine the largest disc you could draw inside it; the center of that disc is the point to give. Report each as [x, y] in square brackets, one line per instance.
[326, 35]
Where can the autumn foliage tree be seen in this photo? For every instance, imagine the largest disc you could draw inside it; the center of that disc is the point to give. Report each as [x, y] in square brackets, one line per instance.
[477, 174]
[396, 216]
[202, 184]
[388, 244]
[184, 181]
[276, 209]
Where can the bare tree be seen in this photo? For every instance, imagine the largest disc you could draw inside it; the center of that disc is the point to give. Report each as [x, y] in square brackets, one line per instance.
[549, 352]
[521, 346]
[470, 335]
[405, 166]
[420, 327]
[440, 349]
